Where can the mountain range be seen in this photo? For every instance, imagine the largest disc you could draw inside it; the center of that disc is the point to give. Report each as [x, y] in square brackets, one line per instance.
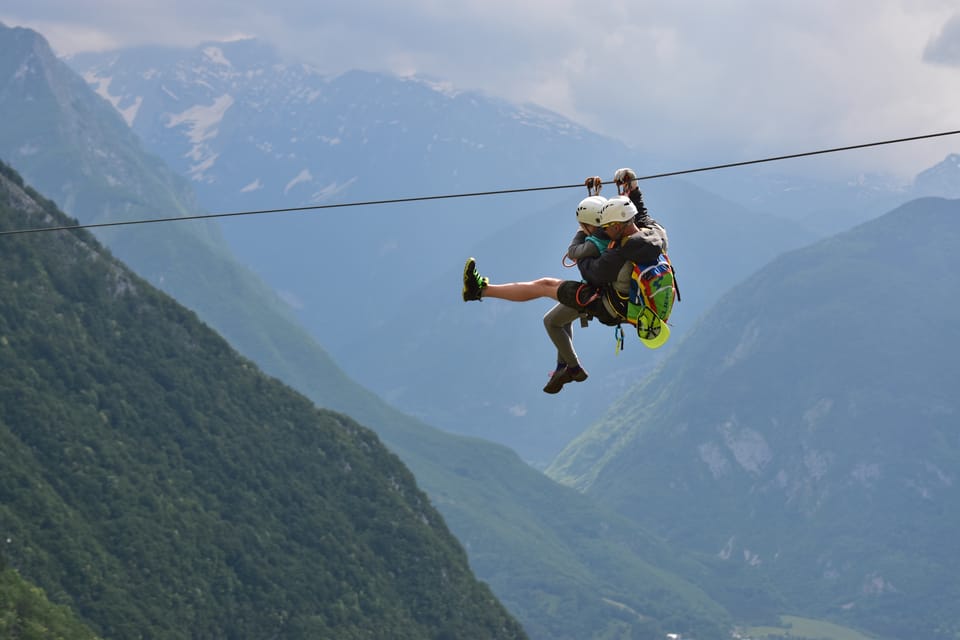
[162, 486]
[780, 473]
[254, 132]
[807, 428]
[120, 409]
[381, 292]
[494, 502]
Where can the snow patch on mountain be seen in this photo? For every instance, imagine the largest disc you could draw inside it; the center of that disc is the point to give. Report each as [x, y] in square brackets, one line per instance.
[101, 85]
[202, 124]
[443, 88]
[332, 189]
[537, 117]
[202, 120]
[748, 446]
[215, 55]
[203, 161]
[716, 461]
[253, 186]
[303, 176]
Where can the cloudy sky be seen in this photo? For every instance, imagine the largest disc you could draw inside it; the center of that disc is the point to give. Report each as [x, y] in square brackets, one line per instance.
[695, 82]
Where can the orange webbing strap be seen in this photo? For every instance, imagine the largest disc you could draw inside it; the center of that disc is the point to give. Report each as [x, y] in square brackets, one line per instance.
[594, 296]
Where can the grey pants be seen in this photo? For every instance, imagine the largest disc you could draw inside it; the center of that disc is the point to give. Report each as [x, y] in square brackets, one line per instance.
[559, 324]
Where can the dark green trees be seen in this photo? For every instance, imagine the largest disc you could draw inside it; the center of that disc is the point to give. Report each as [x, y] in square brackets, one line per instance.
[163, 486]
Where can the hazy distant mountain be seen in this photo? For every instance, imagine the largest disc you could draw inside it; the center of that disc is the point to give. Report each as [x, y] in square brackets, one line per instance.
[942, 179]
[807, 428]
[379, 287]
[826, 206]
[496, 504]
[188, 407]
[255, 133]
[821, 206]
[488, 360]
[71, 145]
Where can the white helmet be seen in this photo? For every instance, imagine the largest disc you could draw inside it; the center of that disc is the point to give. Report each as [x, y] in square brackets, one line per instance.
[588, 211]
[617, 209]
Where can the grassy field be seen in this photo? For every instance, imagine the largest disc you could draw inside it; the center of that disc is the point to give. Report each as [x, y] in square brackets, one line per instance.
[805, 629]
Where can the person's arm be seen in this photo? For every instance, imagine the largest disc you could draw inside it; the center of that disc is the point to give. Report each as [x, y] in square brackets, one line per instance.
[602, 269]
[626, 181]
[606, 268]
[587, 246]
[637, 199]
[586, 249]
[575, 245]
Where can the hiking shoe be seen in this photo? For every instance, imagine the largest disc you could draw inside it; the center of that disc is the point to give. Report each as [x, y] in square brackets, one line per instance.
[562, 376]
[473, 282]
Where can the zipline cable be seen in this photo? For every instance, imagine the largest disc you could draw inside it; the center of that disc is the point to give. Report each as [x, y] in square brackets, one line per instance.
[475, 194]
[800, 155]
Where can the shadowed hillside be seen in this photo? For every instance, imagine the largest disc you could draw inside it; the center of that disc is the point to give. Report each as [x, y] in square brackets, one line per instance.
[162, 486]
[808, 428]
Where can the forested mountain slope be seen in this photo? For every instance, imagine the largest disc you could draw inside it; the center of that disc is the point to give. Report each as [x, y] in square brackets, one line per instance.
[807, 428]
[74, 144]
[162, 486]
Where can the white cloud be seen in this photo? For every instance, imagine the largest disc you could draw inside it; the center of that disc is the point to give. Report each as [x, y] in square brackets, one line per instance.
[945, 48]
[690, 82]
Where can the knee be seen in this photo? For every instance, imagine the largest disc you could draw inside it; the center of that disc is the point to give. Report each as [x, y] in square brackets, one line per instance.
[547, 287]
[548, 283]
[548, 321]
[555, 318]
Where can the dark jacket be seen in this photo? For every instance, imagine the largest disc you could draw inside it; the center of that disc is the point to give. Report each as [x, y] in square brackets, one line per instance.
[584, 246]
[642, 247]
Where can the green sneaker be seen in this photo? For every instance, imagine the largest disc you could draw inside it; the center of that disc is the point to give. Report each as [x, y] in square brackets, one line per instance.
[473, 282]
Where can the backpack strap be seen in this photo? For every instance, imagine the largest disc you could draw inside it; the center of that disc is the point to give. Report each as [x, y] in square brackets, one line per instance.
[673, 270]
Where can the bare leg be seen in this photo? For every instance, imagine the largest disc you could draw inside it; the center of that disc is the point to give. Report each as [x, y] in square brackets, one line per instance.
[524, 291]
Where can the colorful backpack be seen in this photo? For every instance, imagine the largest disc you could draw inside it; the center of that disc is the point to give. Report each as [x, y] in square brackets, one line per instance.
[653, 289]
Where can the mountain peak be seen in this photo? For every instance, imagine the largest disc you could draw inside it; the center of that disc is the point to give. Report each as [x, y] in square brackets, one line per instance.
[25, 37]
[942, 179]
[239, 53]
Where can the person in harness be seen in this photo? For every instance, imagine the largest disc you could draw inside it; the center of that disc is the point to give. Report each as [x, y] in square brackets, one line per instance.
[633, 280]
[609, 290]
[589, 242]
